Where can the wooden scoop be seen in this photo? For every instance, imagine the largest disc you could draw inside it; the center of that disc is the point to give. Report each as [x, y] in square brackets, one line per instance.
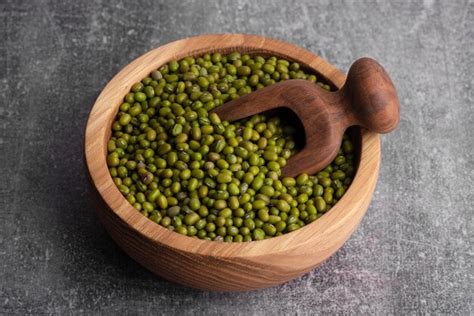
[368, 98]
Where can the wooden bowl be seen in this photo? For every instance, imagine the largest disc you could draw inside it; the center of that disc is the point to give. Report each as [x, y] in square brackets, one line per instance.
[214, 265]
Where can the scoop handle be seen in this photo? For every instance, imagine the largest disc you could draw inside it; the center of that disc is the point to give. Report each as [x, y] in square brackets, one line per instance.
[369, 98]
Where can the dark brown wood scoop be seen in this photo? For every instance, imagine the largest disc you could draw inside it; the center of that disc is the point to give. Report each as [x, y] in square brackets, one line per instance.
[368, 99]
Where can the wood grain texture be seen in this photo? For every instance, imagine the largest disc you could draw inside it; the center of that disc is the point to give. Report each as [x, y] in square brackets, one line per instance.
[212, 265]
[368, 98]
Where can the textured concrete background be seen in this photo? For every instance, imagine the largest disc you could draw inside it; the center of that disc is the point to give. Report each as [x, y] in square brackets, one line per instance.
[414, 249]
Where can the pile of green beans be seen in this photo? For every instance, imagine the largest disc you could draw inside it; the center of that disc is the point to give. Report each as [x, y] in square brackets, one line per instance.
[185, 169]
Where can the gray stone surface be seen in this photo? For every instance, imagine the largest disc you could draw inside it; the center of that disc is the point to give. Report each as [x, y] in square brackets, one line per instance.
[413, 251]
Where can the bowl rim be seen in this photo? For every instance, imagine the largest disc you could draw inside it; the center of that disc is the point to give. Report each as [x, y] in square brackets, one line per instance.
[321, 233]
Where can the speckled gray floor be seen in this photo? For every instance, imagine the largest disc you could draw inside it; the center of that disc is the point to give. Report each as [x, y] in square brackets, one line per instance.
[413, 252]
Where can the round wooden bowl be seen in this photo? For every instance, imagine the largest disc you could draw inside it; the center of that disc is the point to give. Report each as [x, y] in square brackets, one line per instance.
[213, 265]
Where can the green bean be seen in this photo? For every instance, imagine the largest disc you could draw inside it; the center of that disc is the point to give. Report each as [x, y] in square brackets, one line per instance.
[183, 167]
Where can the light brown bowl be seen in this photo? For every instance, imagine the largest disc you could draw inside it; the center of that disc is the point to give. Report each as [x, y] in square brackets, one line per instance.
[216, 265]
